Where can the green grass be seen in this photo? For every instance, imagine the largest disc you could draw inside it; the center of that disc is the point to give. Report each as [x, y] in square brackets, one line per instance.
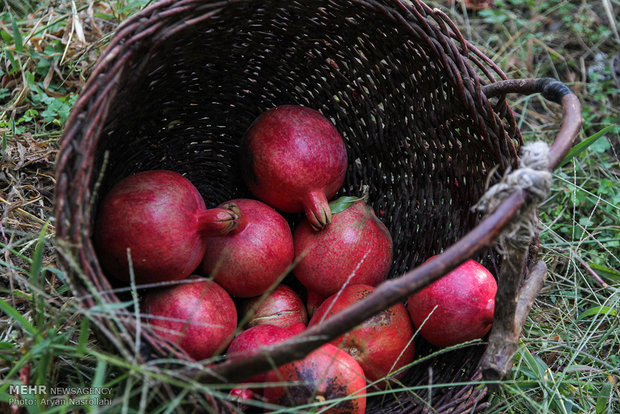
[569, 355]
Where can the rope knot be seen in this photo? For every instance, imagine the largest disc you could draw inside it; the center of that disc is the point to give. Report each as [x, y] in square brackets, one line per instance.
[532, 176]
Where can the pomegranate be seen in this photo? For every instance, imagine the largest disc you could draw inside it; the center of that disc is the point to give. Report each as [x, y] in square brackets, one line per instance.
[255, 254]
[460, 305]
[160, 217]
[200, 317]
[326, 374]
[251, 340]
[313, 301]
[282, 307]
[297, 328]
[294, 159]
[356, 248]
[382, 344]
[240, 396]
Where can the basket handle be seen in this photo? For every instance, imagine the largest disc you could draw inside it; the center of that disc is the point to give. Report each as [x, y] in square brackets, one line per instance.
[396, 290]
[514, 299]
[554, 91]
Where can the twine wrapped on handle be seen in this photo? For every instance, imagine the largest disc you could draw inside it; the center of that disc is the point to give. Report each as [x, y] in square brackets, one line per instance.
[532, 176]
[512, 302]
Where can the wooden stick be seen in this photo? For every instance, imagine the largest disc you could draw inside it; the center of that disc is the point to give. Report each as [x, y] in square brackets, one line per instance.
[497, 359]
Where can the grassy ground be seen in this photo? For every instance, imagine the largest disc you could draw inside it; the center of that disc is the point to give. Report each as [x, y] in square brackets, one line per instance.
[569, 356]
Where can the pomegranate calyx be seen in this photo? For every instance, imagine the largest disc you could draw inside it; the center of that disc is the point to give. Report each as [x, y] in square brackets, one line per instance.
[353, 351]
[317, 210]
[241, 220]
[219, 220]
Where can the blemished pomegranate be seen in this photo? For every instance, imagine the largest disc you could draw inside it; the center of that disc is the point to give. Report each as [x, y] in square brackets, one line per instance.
[460, 305]
[327, 373]
[294, 159]
[200, 317]
[161, 218]
[255, 254]
[250, 341]
[282, 307]
[356, 248]
[382, 344]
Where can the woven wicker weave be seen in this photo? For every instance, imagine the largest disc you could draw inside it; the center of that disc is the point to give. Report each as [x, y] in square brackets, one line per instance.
[182, 80]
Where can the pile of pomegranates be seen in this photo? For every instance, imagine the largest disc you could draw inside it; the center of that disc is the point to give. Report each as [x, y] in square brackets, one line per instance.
[228, 280]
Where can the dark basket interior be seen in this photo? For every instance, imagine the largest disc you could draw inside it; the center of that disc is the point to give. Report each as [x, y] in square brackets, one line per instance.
[189, 77]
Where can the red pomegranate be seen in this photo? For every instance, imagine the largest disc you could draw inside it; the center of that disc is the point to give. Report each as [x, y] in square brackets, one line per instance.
[382, 344]
[282, 307]
[313, 301]
[251, 340]
[253, 256]
[297, 328]
[161, 218]
[460, 305]
[200, 317]
[356, 248]
[326, 374]
[294, 159]
[240, 396]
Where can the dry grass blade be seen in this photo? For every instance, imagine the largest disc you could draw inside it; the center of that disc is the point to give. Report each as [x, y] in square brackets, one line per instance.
[612, 17]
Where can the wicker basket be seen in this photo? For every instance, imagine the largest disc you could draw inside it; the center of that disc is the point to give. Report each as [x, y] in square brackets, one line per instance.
[182, 80]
